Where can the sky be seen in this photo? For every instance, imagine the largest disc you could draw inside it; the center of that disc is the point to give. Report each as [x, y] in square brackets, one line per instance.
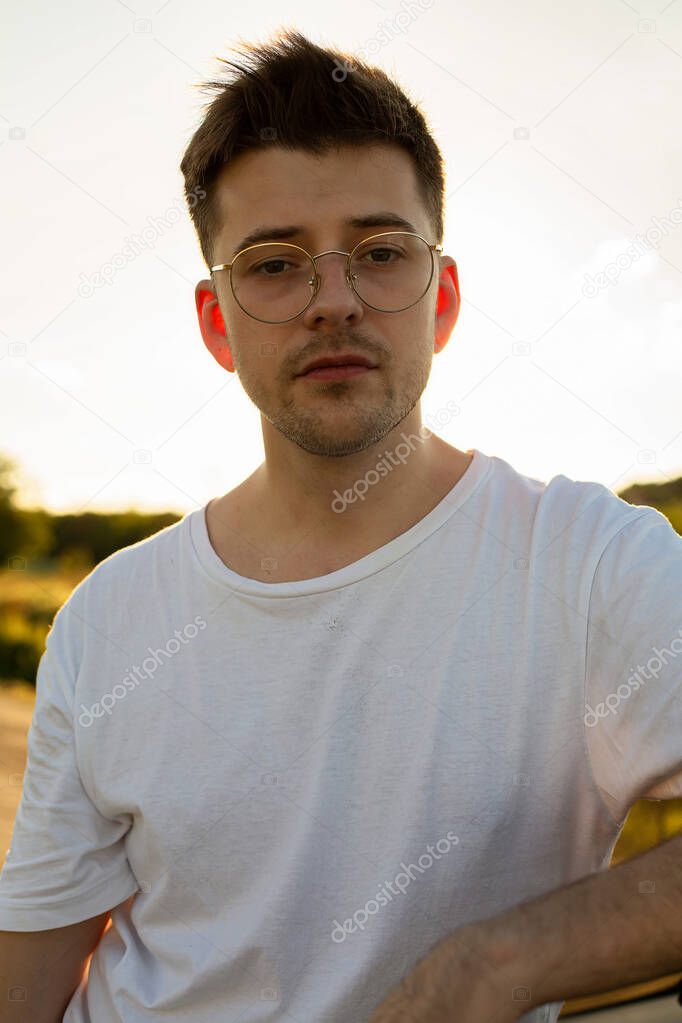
[559, 126]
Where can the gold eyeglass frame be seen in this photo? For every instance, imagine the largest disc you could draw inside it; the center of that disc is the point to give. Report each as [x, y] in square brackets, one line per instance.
[315, 281]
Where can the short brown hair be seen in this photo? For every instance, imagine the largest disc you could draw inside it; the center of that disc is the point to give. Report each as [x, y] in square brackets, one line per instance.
[293, 93]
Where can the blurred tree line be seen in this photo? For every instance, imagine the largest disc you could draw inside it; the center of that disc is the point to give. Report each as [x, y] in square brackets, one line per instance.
[48, 540]
[42, 558]
[667, 497]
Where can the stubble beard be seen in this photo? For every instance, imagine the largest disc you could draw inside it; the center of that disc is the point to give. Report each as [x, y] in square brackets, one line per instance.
[353, 424]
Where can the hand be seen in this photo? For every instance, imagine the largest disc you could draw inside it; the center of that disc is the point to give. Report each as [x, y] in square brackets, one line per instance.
[455, 982]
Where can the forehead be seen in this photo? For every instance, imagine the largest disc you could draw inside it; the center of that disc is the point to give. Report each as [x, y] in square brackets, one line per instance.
[277, 186]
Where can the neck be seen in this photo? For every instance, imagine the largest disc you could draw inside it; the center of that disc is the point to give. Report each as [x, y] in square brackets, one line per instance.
[280, 524]
[352, 500]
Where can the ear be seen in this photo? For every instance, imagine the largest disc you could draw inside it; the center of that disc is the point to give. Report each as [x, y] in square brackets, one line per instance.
[212, 325]
[448, 304]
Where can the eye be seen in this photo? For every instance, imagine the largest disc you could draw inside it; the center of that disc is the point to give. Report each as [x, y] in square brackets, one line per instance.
[270, 263]
[382, 251]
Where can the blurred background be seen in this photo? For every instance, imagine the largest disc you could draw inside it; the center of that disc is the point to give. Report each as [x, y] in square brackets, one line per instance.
[564, 213]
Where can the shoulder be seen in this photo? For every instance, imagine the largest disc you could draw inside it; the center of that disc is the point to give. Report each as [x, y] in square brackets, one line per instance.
[565, 514]
[112, 591]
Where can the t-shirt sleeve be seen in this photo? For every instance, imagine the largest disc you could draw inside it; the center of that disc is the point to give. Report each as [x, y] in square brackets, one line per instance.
[633, 683]
[66, 862]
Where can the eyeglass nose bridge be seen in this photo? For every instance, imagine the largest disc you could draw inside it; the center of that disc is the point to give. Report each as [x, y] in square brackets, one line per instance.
[316, 280]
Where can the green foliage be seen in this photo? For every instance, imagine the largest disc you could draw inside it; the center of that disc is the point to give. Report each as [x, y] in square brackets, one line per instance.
[94, 536]
[42, 557]
[22, 641]
[22, 533]
[673, 511]
[666, 497]
[654, 494]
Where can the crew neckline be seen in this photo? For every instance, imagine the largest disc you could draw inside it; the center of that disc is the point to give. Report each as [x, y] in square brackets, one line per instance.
[209, 560]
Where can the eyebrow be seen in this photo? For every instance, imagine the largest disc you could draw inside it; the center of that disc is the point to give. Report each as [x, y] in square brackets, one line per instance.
[382, 218]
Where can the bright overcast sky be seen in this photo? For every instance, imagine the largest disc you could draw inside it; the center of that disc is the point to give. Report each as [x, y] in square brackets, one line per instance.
[559, 125]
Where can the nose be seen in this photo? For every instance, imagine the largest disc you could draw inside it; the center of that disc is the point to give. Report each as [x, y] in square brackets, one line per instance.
[335, 300]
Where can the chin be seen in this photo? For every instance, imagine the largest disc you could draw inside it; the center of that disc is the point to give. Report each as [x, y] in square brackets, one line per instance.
[337, 445]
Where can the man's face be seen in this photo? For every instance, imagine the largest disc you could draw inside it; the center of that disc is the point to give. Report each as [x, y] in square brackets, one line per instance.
[277, 187]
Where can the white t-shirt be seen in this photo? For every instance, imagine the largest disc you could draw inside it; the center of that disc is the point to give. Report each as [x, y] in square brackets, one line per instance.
[295, 789]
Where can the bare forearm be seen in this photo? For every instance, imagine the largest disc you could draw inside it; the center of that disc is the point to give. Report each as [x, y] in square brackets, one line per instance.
[605, 931]
[602, 932]
[40, 970]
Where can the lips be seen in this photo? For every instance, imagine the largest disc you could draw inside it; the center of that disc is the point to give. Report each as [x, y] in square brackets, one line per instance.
[344, 359]
[336, 372]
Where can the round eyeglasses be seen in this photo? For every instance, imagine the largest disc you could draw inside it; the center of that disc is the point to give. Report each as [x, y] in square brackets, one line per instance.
[276, 281]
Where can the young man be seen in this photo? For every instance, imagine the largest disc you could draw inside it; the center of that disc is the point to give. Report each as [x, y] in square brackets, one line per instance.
[355, 740]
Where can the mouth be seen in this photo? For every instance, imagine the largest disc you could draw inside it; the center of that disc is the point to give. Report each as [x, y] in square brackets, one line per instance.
[340, 372]
[337, 367]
